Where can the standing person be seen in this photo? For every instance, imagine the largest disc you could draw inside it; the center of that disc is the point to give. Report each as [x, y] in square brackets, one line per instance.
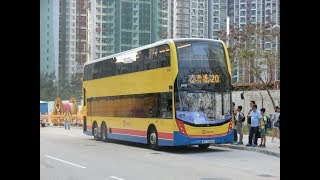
[275, 127]
[279, 128]
[255, 118]
[239, 121]
[249, 116]
[234, 112]
[262, 126]
[40, 119]
[67, 120]
[46, 119]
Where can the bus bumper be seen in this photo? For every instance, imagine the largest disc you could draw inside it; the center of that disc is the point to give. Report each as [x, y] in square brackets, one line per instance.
[181, 139]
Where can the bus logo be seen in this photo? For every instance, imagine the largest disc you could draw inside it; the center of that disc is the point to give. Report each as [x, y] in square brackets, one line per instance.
[125, 123]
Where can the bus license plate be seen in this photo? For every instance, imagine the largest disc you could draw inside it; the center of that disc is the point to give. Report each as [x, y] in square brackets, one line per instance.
[207, 141]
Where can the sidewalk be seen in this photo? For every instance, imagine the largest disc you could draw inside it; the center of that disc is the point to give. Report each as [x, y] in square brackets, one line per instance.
[272, 148]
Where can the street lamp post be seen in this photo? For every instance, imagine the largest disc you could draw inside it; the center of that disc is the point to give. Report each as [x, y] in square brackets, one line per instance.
[276, 29]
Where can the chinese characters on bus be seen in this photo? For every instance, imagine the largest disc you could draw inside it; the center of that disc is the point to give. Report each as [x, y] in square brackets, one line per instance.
[203, 78]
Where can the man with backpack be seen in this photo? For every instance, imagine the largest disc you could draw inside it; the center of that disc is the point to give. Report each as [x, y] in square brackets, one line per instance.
[240, 118]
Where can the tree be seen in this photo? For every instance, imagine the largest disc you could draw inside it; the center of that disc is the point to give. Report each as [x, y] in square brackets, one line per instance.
[76, 87]
[247, 51]
[46, 86]
[70, 88]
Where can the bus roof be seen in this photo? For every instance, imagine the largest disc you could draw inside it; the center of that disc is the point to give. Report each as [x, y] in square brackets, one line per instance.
[151, 45]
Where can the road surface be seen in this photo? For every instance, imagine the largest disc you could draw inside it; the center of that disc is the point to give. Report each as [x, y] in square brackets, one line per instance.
[71, 155]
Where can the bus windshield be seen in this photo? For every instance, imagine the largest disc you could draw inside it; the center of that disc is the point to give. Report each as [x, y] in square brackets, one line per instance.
[203, 86]
[203, 107]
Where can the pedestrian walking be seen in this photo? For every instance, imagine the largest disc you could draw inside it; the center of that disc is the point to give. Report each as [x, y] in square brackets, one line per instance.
[40, 119]
[67, 119]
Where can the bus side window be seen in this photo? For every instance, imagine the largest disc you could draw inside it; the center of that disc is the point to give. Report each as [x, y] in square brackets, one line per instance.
[153, 58]
[140, 58]
[166, 105]
[146, 60]
[164, 56]
[95, 71]
[119, 66]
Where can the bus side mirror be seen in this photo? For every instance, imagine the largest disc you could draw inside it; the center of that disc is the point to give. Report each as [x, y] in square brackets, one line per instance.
[242, 96]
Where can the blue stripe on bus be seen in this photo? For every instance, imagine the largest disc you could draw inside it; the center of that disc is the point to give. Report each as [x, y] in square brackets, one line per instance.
[162, 142]
[165, 142]
[89, 133]
[138, 139]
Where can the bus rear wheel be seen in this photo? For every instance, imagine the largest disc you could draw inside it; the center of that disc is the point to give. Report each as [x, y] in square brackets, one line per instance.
[203, 146]
[153, 139]
[96, 132]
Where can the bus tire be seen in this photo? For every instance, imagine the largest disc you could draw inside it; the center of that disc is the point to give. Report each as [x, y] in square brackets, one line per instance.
[203, 146]
[95, 130]
[153, 138]
[104, 132]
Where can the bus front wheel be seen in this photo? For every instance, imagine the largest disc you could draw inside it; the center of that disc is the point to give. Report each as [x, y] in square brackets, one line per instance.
[153, 139]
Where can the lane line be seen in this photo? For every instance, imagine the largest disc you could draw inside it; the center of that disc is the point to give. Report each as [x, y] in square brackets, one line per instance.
[64, 161]
[116, 178]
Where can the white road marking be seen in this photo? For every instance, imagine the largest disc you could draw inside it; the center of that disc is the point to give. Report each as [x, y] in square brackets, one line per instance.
[116, 178]
[64, 161]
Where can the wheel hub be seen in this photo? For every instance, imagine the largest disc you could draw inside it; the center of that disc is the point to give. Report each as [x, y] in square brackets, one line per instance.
[103, 134]
[153, 138]
[96, 132]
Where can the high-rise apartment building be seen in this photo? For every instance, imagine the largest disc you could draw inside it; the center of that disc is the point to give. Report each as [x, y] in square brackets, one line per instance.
[67, 38]
[182, 19]
[49, 33]
[118, 25]
[217, 17]
[165, 28]
[81, 37]
[198, 18]
[72, 38]
[190, 18]
[260, 13]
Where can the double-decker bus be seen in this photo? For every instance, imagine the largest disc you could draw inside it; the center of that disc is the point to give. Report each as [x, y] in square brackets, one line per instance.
[174, 92]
